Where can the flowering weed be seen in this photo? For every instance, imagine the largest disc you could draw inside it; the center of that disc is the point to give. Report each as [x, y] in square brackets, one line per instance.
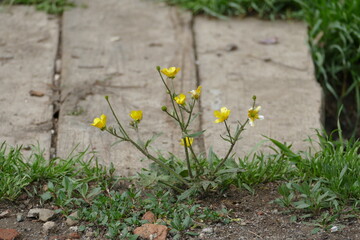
[197, 173]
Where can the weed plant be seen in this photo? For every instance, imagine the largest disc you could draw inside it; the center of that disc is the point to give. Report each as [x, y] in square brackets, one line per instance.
[270, 9]
[18, 174]
[334, 39]
[196, 173]
[49, 6]
[326, 183]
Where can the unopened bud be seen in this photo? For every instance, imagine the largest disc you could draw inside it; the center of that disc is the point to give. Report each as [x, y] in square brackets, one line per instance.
[107, 98]
[164, 108]
[158, 68]
[254, 97]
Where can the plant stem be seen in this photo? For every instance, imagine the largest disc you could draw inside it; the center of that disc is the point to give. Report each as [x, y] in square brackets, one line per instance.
[191, 109]
[186, 140]
[171, 98]
[235, 139]
[159, 162]
[117, 120]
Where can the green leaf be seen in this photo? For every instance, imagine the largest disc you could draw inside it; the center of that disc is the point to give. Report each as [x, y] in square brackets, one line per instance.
[301, 205]
[285, 149]
[187, 222]
[94, 192]
[192, 233]
[315, 230]
[46, 196]
[194, 135]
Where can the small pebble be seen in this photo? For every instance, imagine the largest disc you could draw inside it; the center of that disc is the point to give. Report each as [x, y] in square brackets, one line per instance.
[74, 228]
[48, 226]
[207, 230]
[20, 217]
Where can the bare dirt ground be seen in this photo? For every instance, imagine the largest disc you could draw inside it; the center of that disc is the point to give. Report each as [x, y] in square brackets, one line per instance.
[257, 218]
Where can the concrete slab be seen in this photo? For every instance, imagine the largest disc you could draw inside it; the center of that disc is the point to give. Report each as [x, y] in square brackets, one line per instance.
[28, 46]
[240, 58]
[112, 48]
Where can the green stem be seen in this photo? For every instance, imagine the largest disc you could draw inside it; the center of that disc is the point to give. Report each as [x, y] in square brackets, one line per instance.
[151, 157]
[187, 156]
[191, 109]
[196, 160]
[228, 131]
[235, 139]
[172, 186]
[117, 120]
[159, 162]
[171, 98]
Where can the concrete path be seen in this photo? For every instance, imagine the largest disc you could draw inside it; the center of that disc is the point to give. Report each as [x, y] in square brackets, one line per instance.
[112, 48]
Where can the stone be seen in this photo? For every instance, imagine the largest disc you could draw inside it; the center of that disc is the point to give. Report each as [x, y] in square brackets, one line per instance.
[74, 228]
[149, 216]
[48, 226]
[4, 213]
[71, 220]
[69, 236]
[207, 230]
[20, 217]
[42, 213]
[8, 234]
[152, 231]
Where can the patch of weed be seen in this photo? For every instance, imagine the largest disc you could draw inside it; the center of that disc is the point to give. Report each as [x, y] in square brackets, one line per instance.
[49, 6]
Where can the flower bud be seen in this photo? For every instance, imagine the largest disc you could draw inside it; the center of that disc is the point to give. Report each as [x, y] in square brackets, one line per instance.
[254, 97]
[107, 98]
[158, 68]
[164, 108]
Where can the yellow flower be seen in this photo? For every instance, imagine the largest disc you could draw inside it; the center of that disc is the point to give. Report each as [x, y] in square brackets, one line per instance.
[170, 72]
[136, 115]
[253, 114]
[100, 122]
[196, 93]
[189, 141]
[222, 115]
[180, 99]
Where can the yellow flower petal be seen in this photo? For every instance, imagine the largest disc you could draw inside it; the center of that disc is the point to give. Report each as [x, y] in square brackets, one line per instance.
[196, 93]
[100, 122]
[170, 72]
[180, 99]
[189, 141]
[222, 115]
[136, 115]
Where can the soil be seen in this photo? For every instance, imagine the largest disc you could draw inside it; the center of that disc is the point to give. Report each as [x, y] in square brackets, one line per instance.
[257, 218]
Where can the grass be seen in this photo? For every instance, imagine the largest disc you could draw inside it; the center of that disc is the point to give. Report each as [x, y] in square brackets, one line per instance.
[319, 186]
[334, 39]
[326, 184]
[49, 6]
[270, 9]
